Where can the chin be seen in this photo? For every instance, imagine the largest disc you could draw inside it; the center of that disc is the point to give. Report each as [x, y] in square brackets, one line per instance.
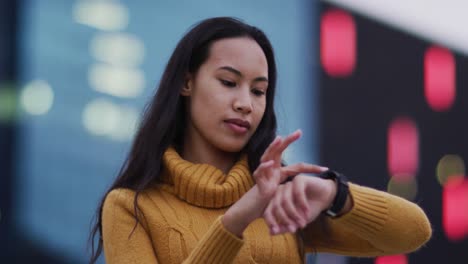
[232, 146]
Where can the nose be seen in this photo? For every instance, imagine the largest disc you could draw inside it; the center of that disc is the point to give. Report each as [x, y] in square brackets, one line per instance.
[243, 101]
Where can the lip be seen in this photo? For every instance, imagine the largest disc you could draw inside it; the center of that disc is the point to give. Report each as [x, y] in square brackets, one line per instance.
[238, 126]
[239, 122]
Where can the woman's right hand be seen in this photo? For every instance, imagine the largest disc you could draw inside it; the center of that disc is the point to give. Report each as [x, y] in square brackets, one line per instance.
[268, 176]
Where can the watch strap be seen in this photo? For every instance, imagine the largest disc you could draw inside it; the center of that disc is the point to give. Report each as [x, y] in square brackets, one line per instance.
[342, 191]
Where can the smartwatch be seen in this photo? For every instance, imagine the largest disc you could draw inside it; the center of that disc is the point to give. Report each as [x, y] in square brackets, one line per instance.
[342, 191]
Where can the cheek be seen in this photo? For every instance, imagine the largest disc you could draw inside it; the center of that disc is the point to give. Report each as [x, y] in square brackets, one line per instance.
[259, 111]
[207, 107]
[214, 104]
[209, 97]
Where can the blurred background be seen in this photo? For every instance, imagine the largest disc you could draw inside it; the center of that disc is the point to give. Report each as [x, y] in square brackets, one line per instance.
[377, 87]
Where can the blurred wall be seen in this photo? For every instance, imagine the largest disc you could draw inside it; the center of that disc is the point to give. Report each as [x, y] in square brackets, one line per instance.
[392, 116]
[8, 23]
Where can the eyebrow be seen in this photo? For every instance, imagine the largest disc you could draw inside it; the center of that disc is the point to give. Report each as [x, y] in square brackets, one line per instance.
[238, 73]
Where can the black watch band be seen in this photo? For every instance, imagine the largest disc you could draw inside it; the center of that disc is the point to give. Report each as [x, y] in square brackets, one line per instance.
[342, 191]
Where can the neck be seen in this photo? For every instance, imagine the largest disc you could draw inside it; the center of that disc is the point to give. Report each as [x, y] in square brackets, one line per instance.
[200, 152]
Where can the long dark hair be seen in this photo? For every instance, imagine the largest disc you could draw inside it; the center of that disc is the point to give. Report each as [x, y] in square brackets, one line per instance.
[164, 117]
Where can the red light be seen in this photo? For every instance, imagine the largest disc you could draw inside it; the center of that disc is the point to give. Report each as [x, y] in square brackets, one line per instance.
[455, 208]
[395, 259]
[439, 78]
[403, 148]
[338, 43]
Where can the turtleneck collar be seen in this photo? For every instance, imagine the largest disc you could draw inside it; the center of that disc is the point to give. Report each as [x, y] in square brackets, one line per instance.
[205, 185]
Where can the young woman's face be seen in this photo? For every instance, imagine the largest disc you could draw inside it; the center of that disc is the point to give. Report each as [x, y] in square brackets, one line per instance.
[227, 96]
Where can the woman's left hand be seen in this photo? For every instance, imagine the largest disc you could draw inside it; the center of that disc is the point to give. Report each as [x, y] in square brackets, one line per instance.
[298, 203]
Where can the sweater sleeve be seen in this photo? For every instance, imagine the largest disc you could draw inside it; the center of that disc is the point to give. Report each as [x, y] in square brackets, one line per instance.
[378, 224]
[126, 243]
[217, 246]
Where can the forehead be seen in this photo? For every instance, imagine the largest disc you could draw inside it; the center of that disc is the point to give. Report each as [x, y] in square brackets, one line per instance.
[243, 54]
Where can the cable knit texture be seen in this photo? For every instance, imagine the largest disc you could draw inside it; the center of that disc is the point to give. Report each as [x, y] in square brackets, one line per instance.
[180, 222]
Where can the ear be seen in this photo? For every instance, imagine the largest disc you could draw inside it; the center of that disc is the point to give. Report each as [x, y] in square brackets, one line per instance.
[188, 84]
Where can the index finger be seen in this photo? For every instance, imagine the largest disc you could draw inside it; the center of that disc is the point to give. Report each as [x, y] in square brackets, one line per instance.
[288, 140]
[276, 148]
[277, 152]
[295, 169]
[274, 144]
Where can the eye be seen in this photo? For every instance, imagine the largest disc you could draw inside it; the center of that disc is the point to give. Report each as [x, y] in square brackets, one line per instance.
[258, 92]
[227, 83]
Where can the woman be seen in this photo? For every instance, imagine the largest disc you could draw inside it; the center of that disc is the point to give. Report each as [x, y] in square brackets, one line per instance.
[204, 181]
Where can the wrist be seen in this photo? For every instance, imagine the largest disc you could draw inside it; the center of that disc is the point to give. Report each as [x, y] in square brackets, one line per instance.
[332, 189]
[233, 224]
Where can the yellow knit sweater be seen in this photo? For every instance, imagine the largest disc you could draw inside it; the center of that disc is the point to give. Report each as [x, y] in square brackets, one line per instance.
[180, 222]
